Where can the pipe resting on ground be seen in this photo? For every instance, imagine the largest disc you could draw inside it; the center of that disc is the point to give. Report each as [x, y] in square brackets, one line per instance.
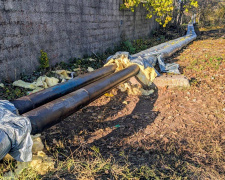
[15, 134]
[55, 111]
[19, 128]
[27, 103]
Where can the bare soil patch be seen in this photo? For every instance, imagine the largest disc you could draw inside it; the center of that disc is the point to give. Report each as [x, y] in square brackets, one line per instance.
[177, 133]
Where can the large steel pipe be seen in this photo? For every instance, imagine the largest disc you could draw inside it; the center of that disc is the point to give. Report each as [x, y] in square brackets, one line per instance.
[53, 112]
[27, 103]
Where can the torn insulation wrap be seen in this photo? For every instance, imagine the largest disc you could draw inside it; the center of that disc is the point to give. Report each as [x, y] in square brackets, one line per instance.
[157, 54]
[145, 75]
[15, 132]
[122, 61]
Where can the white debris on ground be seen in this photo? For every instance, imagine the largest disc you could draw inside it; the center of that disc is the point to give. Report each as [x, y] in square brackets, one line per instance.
[134, 89]
[40, 163]
[63, 74]
[2, 85]
[51, 81]
[145, 76]
[77, 69]
[41, 83]
[23, 84]
[90, 69]
[44, 82]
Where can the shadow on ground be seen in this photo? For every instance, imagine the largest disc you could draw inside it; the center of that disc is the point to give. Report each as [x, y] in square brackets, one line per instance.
[105, 123]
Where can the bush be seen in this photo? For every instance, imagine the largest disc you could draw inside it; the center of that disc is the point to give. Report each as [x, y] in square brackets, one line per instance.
[44, 60]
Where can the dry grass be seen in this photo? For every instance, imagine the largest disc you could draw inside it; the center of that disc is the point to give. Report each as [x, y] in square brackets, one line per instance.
[182, 137]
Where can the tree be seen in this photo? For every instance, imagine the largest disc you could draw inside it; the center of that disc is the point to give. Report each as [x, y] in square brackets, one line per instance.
[211, 12]
[163, 9]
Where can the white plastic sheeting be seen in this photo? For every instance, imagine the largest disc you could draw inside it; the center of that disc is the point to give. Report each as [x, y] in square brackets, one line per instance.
[150, 57]
[158, 53]
[15, 131]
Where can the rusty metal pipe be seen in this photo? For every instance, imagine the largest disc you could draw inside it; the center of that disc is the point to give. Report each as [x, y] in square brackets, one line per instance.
[27, 103]
[55, 111]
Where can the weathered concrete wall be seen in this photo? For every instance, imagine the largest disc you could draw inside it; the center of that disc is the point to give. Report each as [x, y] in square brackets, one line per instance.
[64, 29]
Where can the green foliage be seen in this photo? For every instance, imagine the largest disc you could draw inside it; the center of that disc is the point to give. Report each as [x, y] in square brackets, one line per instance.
[9, 92]
[127, 46]
[95, 61]
[140, 44]
[44, 60]
[220, 13]
[84, 63]
[163, 9]
[211, 13]
[211, 63]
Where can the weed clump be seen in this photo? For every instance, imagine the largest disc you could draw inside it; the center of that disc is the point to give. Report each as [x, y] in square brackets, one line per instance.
[44, 60]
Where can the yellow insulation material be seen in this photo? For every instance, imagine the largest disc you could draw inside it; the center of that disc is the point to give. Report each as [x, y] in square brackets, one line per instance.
[63, 74]
[23, 84]
[145, 75]
[41, 83]
[41, 163]
[90, 69]
[51, 81]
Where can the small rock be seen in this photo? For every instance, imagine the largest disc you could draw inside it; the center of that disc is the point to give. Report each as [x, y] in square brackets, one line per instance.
[211, 116]
[125, 102]
[54, 141]
[223, 136]
[135, 116]
[146, 152]
[37, 144]
[114, 108]
[90, 69]
[165, 140]
[172, 81]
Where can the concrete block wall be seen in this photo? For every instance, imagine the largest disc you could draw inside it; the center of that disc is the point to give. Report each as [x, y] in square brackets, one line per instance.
[64, 29]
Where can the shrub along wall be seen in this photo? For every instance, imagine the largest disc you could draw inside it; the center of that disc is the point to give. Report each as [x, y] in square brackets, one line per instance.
[64, 29]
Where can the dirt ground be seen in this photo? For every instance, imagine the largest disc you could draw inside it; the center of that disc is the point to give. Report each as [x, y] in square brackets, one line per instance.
[178, 133]
[175, 133]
